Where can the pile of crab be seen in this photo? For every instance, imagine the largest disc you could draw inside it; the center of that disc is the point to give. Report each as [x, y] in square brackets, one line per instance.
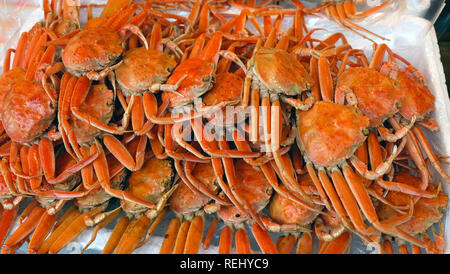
[140, 112]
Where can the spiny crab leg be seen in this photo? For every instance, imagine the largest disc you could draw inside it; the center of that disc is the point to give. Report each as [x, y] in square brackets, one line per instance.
[380, 169]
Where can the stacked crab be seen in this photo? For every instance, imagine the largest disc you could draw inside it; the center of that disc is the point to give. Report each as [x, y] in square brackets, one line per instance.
[140, 112]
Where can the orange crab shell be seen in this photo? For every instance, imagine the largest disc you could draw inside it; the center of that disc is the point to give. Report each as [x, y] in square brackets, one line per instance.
[427, 211]
[418, 99]
[92, 49]
[27, 111]
[184, 200]
[280, 72]
[330, 133]
[141, 68]
[200, 79]
[254, 188]
[378, 96]
[7, 82]
[227, 88]
[285, 211]
[98, 103]
[149, 183]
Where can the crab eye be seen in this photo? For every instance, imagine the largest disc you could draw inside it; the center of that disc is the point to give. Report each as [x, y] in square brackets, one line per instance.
[207, 79]
[365, 132]
[170, 69]
[237, 215]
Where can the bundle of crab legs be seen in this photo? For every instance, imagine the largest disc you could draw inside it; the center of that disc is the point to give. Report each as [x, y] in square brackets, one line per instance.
[140, 112]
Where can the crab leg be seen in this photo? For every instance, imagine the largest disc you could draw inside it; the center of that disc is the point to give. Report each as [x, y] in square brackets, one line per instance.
[242, 241]
[366, 205]
[381, 169]
[350, 9]
[170, 150]
[43, 228]
[60, 226]
[177, 134]
[180, 241]
[75, 227]
[208, 146]
[35, 167]
[20, 51]
[137, 113]
[188, 168]
[210, 233]
[47, 157]
[7, 218]
[342, 200]
[305, 243]
[15, 151]
[193, 188]
[431, 156]
[416, 154]
[219, 171]
[121, 153]
[82, 165]
[270, 175]
[194, 235]
[226, 240]
[133, 234]
[264, 240]
[79, 94]
[376, 159]
[170, 236]
[103, 175]
[399, 134]
[343, 10]
[66, 86]
[286, 243]
[338, 245]
[231, 177]
[24, 229]
[7, 176]
[116, 235]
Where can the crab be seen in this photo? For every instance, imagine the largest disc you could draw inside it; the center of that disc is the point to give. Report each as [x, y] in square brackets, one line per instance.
[417, 105]
[85, 214]
[142, 73]
[427, 212]
[200, 65]
[252, 188]
[50, 200]
[86, 134]
[28, 110]
[153, 183]
[328, 135]
[95, 50]
[405, 101]
[291, 219]
[184, 234]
